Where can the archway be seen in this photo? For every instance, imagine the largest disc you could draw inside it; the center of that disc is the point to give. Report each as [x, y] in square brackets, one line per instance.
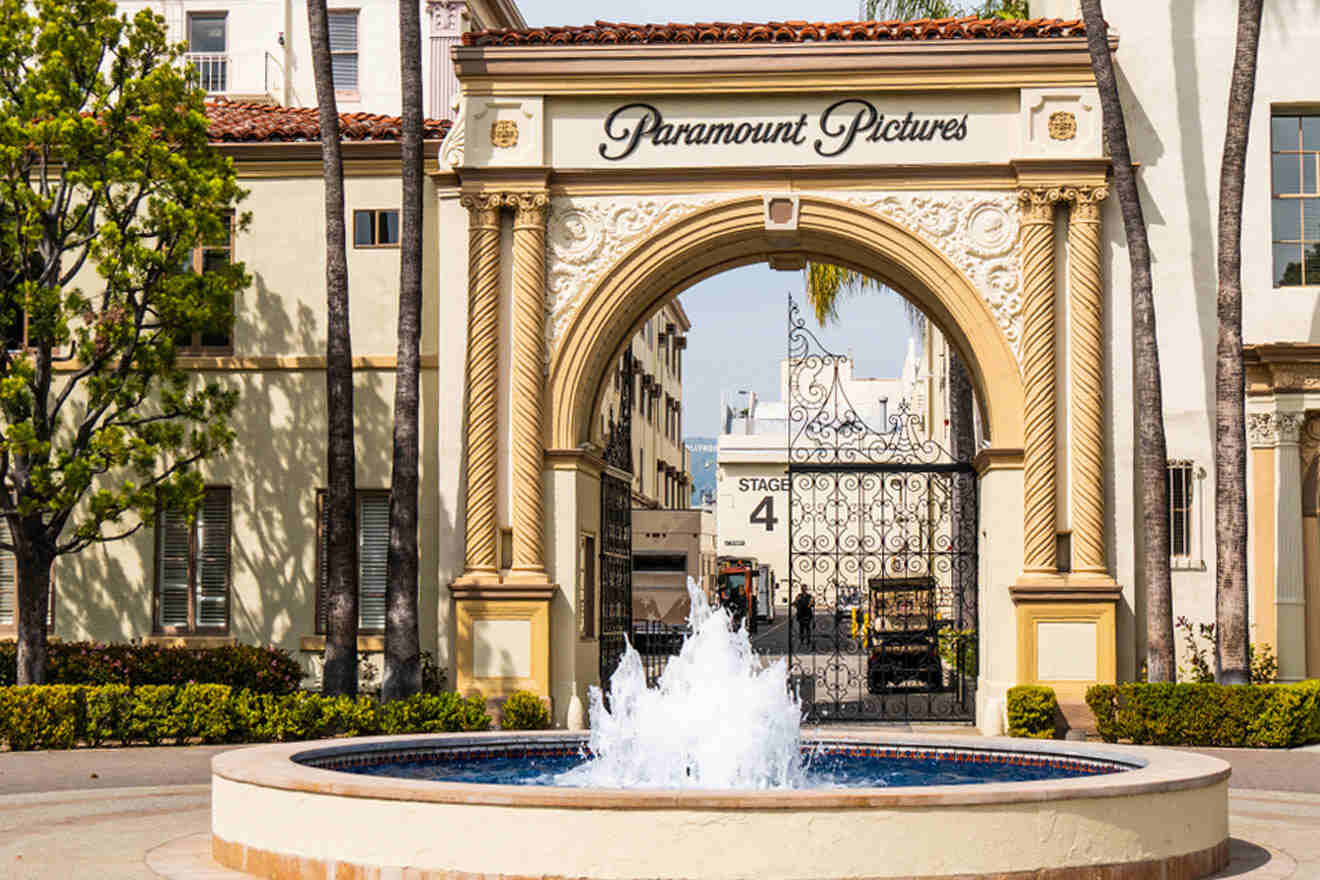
[734, 233]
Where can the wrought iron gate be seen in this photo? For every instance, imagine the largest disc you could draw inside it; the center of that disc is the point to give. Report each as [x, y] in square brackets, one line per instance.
[882, 543]
[616, 530]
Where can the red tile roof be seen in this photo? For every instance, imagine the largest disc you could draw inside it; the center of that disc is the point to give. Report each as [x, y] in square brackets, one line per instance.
[237, 122]
[605, 32]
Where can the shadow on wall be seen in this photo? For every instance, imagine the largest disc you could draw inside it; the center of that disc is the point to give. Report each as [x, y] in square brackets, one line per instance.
[275, 469]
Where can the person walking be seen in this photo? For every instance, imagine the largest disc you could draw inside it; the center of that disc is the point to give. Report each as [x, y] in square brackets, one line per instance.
[802, 610]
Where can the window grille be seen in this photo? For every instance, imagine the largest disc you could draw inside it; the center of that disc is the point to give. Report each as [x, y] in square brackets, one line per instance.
[1180, 480]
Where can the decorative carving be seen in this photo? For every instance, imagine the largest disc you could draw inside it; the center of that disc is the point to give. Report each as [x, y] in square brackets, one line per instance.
[977, 231]
[587, 236]
[504, 134]
[1266, 429]
[1038, 203]
[446, 17]
[1062, 126]
[451, 148]
[1086, 365]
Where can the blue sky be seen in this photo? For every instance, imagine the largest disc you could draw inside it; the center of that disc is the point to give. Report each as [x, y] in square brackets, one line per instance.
[739, 318]
[739, 335]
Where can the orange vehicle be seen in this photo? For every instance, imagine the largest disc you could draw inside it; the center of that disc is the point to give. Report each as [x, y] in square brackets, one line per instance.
[735, 587]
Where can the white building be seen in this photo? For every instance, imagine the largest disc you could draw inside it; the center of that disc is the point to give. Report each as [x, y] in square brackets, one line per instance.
[752, 483]
[259, 50]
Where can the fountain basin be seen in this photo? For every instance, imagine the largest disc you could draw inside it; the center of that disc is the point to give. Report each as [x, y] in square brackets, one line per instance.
[276, 815]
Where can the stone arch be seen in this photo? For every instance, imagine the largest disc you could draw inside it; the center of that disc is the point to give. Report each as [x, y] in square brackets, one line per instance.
[733, 233]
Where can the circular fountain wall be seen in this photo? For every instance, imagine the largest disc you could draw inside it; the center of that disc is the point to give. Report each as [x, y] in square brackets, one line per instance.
[295, 810]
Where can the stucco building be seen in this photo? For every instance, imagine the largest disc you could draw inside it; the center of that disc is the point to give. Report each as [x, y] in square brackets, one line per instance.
[592, 174]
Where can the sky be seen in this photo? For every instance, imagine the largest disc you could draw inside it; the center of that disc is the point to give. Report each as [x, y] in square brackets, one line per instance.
[739, 318]
[577, 12]
[739, 336]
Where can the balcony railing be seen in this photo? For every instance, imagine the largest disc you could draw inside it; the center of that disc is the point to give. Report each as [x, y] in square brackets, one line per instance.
[212, 70]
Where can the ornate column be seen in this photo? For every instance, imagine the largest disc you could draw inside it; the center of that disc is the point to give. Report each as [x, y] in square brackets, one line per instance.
[1086, 366]
[528, 384]
[483, 334]
[1038, 467]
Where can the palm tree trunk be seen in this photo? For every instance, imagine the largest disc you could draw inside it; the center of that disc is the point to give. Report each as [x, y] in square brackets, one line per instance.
[341, 673]
[1151, 453]
[403, 671]
[1230, 391]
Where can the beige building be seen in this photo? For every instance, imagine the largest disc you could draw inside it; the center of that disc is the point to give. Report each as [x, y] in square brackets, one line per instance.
[660, 475]
[593, 174]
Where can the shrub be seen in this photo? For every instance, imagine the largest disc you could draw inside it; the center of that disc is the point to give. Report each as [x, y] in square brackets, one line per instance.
[107, 710]
[59, 716]
[1251, 716]
[1031, 711]
[242, 667]
[524, 710]
[40, 717]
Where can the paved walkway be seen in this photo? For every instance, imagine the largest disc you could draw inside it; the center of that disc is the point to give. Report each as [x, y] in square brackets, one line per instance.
[144, 814]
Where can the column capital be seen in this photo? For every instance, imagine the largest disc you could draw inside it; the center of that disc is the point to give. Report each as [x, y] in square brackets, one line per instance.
[483, 208]
[1085, 201]
[1037, 203]
[528, 208]
[1268, 429]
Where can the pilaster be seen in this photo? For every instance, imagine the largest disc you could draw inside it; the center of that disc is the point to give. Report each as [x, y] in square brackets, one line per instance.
[1280, 589]
[1086, 369]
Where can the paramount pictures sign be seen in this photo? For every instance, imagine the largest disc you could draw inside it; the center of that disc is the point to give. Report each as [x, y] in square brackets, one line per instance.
[637, 128]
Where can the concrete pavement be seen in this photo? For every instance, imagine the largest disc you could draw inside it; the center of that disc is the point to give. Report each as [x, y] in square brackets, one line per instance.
[145, 814]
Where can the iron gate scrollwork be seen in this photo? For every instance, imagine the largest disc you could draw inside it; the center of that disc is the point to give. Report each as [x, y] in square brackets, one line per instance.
[882, 539]
[616, 530]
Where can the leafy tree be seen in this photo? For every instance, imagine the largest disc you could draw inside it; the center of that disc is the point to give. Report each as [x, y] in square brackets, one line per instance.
[403, 669]
[1231, 645]
[107, 184]
[340, 674]
[1152, 451]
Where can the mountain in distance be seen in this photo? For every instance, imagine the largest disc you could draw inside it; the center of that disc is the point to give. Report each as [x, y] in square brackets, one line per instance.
[701, 461]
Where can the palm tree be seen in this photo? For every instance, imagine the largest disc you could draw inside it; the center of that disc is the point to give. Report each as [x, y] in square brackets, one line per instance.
[341, 594]
[1230, 391]
[403, 671]
[1151, 452]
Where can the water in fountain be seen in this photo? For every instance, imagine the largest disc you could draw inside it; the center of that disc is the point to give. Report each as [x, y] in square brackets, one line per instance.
[717, 718]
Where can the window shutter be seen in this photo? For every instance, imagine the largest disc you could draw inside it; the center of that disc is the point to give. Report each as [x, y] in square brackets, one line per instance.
[172, 569]
[343, 48]
[322, 566]
[373, 551]
[213, 528]
[8, 589]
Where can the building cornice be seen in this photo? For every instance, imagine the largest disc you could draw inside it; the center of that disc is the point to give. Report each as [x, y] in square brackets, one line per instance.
[697, 68]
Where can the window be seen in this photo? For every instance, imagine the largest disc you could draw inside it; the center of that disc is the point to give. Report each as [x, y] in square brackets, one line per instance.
[1295, 161]
[587, 589]
[376, 228]
[1184, 548]
[13, 324]
[344, 50]
[204, 258]
[373, 523]
[207, 44]
[192, 567]
[660, 562]
[9, 596]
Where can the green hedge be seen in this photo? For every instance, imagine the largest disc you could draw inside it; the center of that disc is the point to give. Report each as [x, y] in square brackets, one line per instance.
[1032, 710]
[61, 716]
[1248, 715]
[524, 710]
[245, 667]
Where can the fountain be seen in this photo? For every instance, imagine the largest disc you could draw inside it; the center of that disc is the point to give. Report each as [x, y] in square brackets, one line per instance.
[708, 775]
